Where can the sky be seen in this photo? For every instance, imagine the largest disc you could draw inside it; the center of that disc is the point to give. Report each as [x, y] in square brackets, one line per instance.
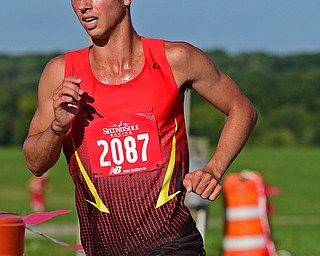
[274, 26]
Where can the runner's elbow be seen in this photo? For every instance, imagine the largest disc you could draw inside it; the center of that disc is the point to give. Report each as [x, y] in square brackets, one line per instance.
[33, 162]
[36, 169]
[254, 115]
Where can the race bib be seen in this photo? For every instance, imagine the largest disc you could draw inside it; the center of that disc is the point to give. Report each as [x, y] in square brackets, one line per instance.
[124, 145]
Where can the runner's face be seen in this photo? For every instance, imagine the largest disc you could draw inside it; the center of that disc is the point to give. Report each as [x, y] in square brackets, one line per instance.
[99, 17]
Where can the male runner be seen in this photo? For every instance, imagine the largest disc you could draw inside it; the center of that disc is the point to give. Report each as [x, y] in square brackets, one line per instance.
[116, 108]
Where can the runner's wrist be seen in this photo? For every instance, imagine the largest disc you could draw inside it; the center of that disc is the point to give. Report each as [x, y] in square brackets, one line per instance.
[59, 132]
[215, 170]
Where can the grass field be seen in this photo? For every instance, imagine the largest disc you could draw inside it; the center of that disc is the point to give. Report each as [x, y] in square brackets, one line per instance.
[295, 223]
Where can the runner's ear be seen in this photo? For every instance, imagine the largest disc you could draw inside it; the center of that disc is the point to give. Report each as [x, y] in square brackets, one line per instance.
[127, 2]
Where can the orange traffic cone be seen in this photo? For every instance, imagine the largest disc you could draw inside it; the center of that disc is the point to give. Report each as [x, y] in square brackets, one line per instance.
[247, 229]
[12, 231]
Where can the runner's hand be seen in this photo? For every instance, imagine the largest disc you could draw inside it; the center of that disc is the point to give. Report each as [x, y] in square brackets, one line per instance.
[202, 183]
[66, 102]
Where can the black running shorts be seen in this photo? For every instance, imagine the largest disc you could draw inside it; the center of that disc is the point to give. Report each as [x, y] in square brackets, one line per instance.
[189, 245]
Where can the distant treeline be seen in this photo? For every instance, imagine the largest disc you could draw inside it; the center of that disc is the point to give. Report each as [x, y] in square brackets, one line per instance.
[284, 88]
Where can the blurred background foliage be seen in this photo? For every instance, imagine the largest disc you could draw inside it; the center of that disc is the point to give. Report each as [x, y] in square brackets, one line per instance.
[284, 88]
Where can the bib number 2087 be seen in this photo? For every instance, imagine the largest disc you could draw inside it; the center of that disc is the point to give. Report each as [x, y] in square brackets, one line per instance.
[127, 150]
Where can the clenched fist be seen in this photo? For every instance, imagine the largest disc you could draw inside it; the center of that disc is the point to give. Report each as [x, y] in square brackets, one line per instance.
[203, 183]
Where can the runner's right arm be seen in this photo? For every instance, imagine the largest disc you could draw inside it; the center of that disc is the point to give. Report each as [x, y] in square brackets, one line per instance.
[58, 102]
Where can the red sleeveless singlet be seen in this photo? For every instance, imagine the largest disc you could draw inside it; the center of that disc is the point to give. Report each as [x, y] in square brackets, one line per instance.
[127, 154]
